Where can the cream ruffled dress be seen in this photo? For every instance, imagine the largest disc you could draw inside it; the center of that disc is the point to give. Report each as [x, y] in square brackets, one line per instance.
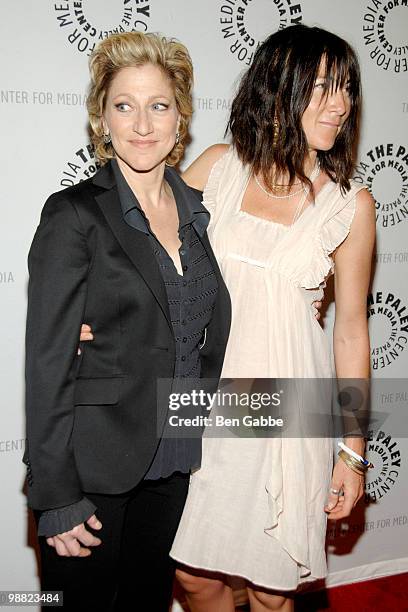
[255, 508]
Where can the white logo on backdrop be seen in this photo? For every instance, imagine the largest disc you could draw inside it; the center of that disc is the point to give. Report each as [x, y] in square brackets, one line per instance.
[86, 22]
[385, 34]
[388, 323]
[246, 23]
[384, 170]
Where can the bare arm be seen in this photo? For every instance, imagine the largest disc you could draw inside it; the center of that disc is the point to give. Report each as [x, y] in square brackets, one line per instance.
[350, 337]
[352, 278]
[198, 172]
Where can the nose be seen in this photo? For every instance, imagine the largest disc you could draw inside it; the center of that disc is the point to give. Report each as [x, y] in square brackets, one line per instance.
[142, 124]
[339, 102]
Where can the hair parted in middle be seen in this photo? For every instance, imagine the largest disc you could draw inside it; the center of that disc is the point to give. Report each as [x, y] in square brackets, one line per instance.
[277, 89]
[129, 49]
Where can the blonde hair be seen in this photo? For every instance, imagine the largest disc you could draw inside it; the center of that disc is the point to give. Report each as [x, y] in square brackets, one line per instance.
[136, 49]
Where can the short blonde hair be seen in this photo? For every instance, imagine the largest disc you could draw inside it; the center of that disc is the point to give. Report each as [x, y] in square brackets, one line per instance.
[136, 49]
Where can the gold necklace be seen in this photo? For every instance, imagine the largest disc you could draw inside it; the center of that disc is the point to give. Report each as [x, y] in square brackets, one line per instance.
[272, 195]
[314, 174]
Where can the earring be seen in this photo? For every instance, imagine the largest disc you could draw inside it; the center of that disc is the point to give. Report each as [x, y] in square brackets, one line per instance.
[177, 138]
[107, 138]
[275, 131]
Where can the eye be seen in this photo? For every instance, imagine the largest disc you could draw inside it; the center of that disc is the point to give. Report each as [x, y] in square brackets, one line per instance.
[160, 106]
[320, 85]
[122, 107]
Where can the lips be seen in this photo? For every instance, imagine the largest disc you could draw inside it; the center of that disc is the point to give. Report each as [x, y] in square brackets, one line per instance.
[330, 124]
[142, 144]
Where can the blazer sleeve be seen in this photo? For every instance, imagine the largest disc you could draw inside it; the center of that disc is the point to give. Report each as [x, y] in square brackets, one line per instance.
[58, 264]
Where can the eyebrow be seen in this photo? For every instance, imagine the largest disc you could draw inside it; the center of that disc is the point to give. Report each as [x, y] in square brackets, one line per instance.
[149, 98]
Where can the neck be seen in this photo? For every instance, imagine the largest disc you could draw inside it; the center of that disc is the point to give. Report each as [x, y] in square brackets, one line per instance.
[310, 162]
[149, 187]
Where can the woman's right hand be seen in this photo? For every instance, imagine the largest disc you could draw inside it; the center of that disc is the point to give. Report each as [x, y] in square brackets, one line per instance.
[85, 335]
[352, 484]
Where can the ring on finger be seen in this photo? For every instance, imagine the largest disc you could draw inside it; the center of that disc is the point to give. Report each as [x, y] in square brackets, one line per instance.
[335, 491]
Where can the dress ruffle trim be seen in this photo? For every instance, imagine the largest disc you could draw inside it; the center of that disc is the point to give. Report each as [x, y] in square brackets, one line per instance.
[295, 545]
[330, 235]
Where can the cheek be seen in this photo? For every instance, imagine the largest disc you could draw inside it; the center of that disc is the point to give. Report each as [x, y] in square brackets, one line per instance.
[168, 128]
[307, 120]
[118, 124]
[346, 115]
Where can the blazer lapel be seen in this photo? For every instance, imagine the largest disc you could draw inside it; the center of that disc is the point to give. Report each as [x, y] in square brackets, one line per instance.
[135, 244]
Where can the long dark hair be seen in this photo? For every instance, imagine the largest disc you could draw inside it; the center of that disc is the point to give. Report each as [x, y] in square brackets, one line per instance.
[279, 84]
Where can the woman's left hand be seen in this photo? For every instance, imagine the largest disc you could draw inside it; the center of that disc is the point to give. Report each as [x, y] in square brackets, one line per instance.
[318, 306]
[85, 335]
[352, 485]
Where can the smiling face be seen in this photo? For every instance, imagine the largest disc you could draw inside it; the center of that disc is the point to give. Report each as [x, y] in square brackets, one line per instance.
[141, 116]
[328, 110]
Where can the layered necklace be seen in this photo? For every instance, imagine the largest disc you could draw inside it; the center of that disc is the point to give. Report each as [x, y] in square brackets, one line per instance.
[313, 176]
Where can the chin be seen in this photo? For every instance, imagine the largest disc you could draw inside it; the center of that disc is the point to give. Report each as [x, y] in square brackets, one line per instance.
[144, 163]
[325, 146]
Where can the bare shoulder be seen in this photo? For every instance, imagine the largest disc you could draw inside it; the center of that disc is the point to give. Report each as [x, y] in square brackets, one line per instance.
[365, 199]
[363, 227]
[198, 172]
[365, 208]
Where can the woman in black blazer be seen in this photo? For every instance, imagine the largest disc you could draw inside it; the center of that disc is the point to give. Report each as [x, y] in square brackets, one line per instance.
[126, 251]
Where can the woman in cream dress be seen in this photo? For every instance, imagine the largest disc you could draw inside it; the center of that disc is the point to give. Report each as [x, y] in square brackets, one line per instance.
[283, 211]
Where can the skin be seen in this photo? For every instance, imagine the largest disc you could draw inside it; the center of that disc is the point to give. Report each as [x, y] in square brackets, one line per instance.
[321, 122]
[142, 118]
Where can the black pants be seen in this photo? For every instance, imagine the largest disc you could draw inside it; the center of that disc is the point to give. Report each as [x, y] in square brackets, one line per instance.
[131, 569]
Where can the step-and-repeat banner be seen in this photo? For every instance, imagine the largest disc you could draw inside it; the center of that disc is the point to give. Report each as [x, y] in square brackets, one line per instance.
[45, 48]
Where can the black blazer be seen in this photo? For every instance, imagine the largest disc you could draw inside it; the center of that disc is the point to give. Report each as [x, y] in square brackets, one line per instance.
[91, 419]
